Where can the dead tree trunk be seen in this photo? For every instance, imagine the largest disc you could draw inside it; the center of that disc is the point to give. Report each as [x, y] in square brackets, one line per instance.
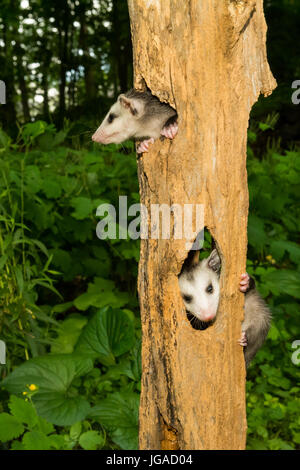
[207, 59]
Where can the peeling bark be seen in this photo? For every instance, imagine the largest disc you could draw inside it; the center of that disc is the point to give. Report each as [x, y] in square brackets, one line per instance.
[207, 59]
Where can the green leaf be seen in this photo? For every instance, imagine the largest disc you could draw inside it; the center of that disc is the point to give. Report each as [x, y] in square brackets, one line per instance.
[33, 179]
[68, 334]
[119, 414]
[19, 278]
[17, 445]
[101, 293]
[44, 426]
[3, 260]
[4, 139]
[36, 440]
[279, 247]
[10, 427]
[52, 188]
[91, 440]
[107, 335]
[75, 431]
[32, 130]
[56, 399]
[274, 333]
[83, 207]
[23, 411]
[58, 441]
[256, 233]
[99, 300]
[283, 281]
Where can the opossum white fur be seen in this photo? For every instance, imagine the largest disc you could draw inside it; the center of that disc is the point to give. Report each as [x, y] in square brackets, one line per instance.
[199, 286]
[137, 115]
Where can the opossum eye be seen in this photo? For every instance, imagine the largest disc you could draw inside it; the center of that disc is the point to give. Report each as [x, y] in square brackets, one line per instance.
[111, 117]
[187, 298]
[209, 289]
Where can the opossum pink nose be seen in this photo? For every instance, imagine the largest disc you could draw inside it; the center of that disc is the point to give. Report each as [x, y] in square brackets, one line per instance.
[100, 138]
[209, 317]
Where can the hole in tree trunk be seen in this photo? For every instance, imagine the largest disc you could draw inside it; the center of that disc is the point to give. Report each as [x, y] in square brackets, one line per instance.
[199, 282]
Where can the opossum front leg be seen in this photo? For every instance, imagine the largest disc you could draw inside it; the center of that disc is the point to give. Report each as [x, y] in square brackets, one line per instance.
[144, 145]
[170, 130]
[244, 287]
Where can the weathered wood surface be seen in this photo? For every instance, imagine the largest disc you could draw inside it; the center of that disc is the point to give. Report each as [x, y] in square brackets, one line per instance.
[208, 59]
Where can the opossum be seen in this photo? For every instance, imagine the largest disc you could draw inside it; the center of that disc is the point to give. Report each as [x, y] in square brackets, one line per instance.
[200, 290]
[140, 116]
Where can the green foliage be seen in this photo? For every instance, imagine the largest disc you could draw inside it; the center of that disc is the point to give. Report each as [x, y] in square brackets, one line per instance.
[70, 306]
[28, 431]
[56, 398]
[109, 334]
[119, 413]
[273, 402]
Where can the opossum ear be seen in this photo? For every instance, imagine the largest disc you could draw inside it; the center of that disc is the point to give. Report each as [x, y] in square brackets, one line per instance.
[134, 106]
[192, 259]
[214, 262]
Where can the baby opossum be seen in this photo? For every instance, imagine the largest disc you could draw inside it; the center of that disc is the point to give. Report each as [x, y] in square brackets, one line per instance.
[140, 116]
[200, 290]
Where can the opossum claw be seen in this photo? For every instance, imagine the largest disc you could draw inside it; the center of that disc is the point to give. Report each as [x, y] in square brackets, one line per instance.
[144, 145]
[170, 131]
[243, 340]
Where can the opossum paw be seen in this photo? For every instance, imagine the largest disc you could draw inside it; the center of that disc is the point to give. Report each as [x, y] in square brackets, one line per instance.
[244, 282]
[243, 340]
[170, 131]
[144, 145]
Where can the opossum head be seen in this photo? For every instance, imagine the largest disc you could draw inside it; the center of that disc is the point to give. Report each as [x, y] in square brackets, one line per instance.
[121, 121]
[199, 286]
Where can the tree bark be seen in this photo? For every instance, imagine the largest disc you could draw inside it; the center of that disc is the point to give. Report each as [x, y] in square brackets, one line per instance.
[207, 59]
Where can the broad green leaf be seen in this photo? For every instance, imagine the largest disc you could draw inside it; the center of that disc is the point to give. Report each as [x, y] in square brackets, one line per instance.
[10, 427]
[119, 414]
[23, 411]
[111, 299]
[56, 399]
[36, 440]
[101, 293]
[108, 334]
[91, 440]
[68, 333]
